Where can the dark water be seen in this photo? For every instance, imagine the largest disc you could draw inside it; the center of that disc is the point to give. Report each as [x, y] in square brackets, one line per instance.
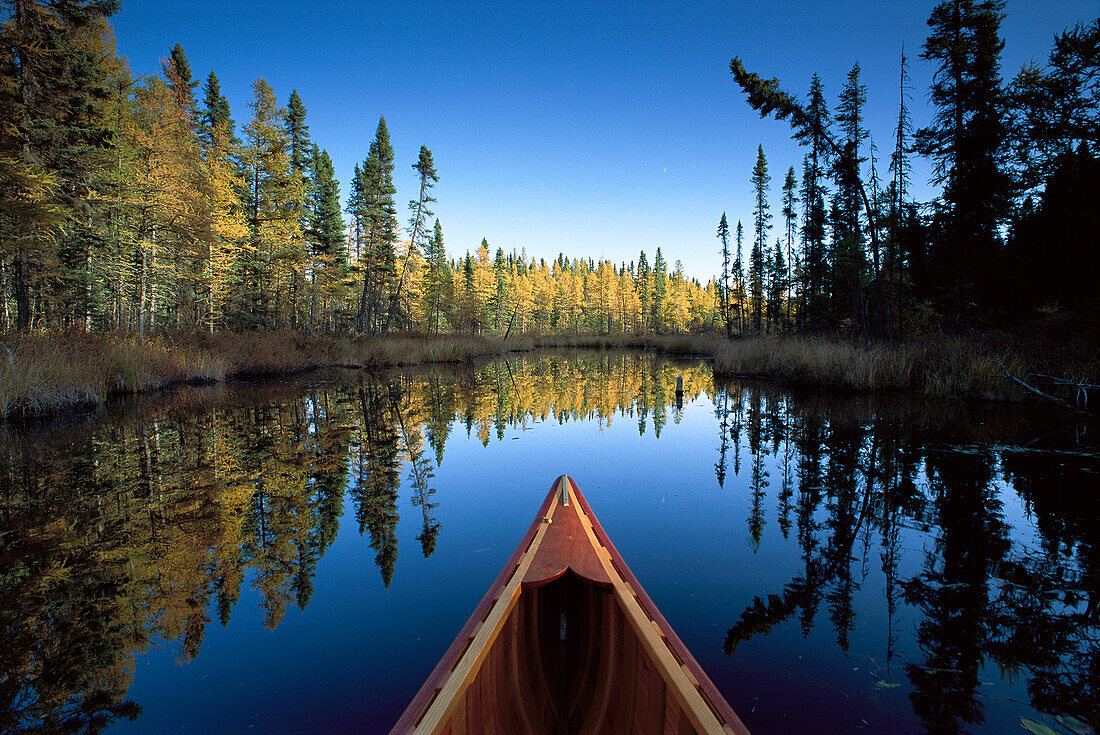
[296, 557]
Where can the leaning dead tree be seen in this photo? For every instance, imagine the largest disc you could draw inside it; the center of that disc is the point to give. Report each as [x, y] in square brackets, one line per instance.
[1082, 389]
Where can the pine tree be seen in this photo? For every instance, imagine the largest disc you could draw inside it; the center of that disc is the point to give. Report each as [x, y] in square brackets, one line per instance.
[761, 218]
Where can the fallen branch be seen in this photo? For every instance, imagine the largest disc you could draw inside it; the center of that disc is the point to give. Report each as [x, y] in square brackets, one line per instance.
[1030, 389]
[1082, 388]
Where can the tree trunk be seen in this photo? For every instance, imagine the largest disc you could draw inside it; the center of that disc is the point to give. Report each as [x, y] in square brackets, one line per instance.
[22, 291]
[141, 293]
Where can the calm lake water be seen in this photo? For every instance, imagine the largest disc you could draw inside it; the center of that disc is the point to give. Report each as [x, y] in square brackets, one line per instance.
[294, 558]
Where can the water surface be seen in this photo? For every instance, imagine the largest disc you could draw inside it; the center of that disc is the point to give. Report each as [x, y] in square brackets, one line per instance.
[296, 557]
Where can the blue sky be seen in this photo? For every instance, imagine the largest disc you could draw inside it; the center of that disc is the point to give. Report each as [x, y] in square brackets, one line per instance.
[593, 129]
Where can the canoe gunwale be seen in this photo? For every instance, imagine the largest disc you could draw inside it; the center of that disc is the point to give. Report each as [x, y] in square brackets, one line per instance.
[690, 672]
[420, 703]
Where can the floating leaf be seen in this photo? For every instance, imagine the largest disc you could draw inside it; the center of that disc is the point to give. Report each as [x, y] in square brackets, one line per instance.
[1075, 725]
[1036, 727]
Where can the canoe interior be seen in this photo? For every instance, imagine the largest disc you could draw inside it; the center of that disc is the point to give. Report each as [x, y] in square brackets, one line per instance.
[567, 661]
[565, 642]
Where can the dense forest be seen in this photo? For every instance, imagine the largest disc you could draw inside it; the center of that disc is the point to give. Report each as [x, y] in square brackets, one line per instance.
[1012, 235]
[138, 204]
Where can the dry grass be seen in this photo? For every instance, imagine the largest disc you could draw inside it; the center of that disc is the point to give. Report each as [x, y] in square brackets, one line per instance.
[44, 374]
[55, 373]
[937, 367]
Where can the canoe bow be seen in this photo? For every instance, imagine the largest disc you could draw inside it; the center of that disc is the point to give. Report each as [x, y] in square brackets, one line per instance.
[509, 671]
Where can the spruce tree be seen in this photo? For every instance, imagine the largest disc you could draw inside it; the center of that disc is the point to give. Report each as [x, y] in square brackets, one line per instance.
[847, 256]
[897, 194]
[814, 193]
[425, 169]
[641, 285]
[379, 220]
[438, 278]
[739, 278]
[300, 164]
[328, 261]
[790, 216]
[777, 285]
[761, 218]
[660, 290]
[966, 142]
[215, 110]
[724, 284]
[177, 70]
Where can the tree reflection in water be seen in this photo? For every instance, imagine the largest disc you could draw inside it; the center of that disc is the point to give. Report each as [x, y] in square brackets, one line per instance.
[866, 475]
[145, 525]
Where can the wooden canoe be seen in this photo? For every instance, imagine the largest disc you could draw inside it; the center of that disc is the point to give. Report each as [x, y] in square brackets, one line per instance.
[567, 641]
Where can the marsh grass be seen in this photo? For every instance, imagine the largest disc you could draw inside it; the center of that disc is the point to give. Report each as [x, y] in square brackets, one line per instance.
[56, 373]
[942, 366]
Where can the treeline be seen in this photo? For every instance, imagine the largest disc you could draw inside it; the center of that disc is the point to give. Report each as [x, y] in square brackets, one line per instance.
[1012, 234]
[136, 205]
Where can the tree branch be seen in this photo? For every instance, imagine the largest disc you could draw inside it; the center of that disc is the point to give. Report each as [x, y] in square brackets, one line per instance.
[1035, 391]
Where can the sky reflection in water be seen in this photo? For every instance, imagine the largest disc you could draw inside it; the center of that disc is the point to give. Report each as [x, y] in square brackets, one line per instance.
[296, 558]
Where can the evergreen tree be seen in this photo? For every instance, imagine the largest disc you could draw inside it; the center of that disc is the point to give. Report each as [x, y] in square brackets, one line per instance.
[761, 218]
[739, 279]
[53, 143]
[777, 285]
[437, 281]
[897, 194]
[328, 261]
[659, 290]
[813, 192]
[425, 168]
[642, 287]
[724, 285]
[301, 167]
[215, 110]
[276, 197]
[847, 256]
[790, 216]
[1055, 109]
[378, 222]
[966, 143]
[177, 69]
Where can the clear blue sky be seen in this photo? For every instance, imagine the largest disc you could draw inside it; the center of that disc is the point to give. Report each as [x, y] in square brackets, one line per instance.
[593, 129]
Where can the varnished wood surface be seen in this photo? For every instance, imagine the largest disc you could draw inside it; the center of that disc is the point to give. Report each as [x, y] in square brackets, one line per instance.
[565, 547]
[566, 641]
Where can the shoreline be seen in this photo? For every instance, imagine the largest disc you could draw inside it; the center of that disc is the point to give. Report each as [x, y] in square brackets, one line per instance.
[46, 375]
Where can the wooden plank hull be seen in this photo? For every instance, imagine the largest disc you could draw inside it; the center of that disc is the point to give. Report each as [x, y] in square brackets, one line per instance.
[567, 642]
